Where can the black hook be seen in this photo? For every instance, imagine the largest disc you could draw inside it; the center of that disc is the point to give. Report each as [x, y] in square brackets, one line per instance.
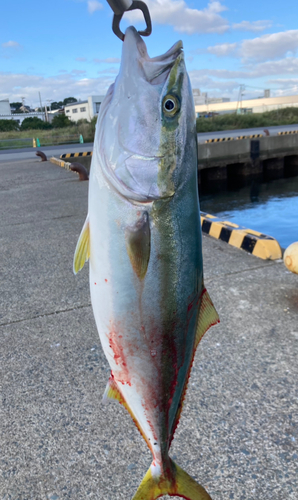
[136, 4]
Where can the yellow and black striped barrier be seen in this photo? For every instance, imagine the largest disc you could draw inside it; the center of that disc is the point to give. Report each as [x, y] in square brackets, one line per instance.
[253, 136]
[288, 132]
[258, 244]
[226, 139]
[75, 155]
[221, 139]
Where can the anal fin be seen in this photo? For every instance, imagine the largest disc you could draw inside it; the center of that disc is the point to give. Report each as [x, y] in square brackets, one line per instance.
[113, 393]
[82, 251]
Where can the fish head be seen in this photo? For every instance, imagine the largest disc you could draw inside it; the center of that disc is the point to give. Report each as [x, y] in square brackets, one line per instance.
[146, 122]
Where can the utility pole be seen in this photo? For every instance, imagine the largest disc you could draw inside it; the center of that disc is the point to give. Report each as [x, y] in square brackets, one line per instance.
[23, 104]
[40, 103]
[239, 102]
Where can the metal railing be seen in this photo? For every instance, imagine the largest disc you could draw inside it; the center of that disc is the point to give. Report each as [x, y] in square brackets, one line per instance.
[15, 143]
[56, 140]
[40, 142]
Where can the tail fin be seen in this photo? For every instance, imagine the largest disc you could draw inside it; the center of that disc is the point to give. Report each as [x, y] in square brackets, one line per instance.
[180, 485]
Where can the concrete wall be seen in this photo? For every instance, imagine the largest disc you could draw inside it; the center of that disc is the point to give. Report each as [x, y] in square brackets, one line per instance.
[220, 154]
[20, 117]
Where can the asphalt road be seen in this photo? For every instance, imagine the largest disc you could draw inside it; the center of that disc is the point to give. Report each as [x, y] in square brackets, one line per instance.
[238, 433]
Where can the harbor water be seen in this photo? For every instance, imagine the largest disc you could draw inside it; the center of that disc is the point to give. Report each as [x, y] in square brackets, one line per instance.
[271, 208]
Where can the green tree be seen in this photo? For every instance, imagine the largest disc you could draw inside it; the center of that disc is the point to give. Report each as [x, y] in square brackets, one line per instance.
[8, 125]
[68, 100]
[16, 106]
[56, 105]
[61, 121]
[32, 123]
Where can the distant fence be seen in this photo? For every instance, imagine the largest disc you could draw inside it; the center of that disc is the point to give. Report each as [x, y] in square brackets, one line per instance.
[15, 143]
[56, 140]
[39, 142]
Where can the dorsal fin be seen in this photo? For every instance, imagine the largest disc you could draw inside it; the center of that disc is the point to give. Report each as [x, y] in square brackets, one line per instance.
[138, 245]
[82, 251]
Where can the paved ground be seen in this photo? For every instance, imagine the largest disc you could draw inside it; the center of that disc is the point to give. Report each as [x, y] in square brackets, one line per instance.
[239, 430]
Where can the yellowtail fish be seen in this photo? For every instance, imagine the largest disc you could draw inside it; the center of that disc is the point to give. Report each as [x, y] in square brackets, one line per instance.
[142, 237]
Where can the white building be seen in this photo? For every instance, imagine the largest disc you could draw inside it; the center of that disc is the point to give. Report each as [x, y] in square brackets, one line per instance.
[55, 112]
[4, 108]
[84, 109]
[259, 105]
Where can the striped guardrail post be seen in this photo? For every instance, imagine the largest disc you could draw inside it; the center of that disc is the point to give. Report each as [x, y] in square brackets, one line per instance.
[254, 242]
[75, 155]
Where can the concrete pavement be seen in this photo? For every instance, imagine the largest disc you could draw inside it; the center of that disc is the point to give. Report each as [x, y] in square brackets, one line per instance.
[238, 433]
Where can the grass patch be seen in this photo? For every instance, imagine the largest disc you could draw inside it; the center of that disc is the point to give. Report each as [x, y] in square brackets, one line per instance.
[24, 138]
[285, 116]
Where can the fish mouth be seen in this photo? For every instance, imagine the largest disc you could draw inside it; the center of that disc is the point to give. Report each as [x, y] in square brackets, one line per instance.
[155, 69]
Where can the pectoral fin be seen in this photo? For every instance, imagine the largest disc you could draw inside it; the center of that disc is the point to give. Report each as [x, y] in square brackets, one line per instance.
[82, 251]
[138, 245]
[207, 316]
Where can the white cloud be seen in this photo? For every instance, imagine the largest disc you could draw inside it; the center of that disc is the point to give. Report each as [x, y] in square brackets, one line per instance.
[109, 60]
[270, 46]
[11, 44]
[223, 49]
[78, 72]
[199, 80]
[94, 5]
[252, 25]
[81, 59]
[265, 47]
[288, 65]
[285, 82]
[183, 19]
[14, 86]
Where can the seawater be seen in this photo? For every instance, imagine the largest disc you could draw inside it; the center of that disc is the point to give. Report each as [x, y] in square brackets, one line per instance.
[271, 208]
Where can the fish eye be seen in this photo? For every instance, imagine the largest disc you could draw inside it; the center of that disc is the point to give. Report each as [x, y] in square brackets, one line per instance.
[170, 105]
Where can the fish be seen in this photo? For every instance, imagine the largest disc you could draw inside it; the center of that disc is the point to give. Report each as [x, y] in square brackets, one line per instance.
[142, 237]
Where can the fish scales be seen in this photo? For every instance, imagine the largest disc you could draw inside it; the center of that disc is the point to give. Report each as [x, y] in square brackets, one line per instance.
[142, 237]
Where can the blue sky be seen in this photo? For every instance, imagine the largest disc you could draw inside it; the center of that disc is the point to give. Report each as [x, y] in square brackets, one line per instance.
[67, 47]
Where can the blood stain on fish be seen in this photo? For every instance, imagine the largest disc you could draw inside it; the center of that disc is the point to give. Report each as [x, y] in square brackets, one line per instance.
[119, 356]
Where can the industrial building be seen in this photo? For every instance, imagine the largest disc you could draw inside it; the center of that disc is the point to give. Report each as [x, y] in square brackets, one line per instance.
[259, 105]
[84, 109]
[4, 107]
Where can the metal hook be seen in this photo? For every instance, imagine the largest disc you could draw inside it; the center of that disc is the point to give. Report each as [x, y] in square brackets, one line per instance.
[120, 7]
